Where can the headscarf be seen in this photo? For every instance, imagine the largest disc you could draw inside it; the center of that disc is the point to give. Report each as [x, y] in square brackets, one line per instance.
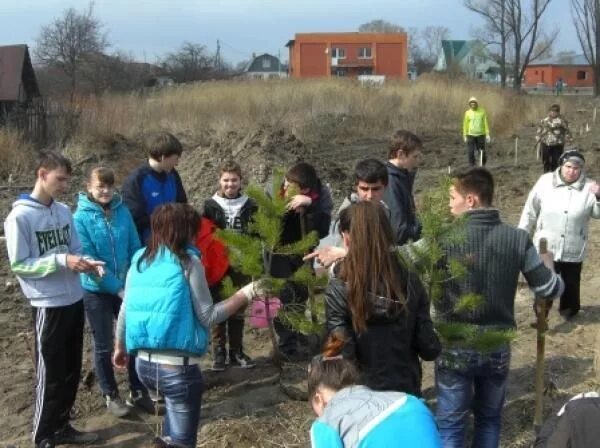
[573, 156]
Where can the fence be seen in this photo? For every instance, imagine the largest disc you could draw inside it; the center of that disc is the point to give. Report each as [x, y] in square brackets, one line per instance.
[29, 119]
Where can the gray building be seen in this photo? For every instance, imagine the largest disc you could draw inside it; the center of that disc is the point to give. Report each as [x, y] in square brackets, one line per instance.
[265, 66]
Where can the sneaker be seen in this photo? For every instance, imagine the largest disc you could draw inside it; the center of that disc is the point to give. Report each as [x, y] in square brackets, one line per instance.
[240, 359]
[141, 400]
[69, 435]
[46, 443]
[219, 359]
[116, 406]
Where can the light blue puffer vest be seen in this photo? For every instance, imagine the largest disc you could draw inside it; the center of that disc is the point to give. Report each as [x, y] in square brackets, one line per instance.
[159, 312]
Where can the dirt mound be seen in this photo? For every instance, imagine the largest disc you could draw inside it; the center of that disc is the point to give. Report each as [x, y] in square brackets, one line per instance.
[258, 152]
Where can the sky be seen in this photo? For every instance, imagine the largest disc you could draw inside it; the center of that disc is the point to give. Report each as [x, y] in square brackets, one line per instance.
[150, 28]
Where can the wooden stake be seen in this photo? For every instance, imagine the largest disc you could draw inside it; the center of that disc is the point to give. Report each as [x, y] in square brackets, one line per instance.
[542, 326]
[594, 115]
[449, 169]
[480, 157]
[587, 127]
[516, 150]
[538, 150]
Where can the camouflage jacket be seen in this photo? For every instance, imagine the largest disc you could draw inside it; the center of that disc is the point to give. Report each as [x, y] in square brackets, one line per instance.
[553, 131]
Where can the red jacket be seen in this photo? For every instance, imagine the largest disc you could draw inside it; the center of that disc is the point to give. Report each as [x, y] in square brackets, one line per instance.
[214, 253]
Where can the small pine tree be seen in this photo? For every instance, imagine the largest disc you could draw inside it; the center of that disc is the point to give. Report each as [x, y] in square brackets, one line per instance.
[252, 255]
[427, 257]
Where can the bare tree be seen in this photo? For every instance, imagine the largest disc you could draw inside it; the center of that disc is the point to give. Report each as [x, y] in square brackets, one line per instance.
[495, 31]
[68, 40]
[380, 26]
[191, 62]
[431, 38]
[524, 20]
[586, 18]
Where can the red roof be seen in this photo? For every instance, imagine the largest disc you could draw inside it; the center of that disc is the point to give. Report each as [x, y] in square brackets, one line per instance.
[15, 70]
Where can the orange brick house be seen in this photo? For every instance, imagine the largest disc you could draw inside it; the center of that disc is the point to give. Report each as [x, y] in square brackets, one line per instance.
[314, 55]
[574, 72]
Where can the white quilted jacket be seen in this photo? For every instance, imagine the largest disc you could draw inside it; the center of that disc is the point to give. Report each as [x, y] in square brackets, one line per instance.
[560, 213]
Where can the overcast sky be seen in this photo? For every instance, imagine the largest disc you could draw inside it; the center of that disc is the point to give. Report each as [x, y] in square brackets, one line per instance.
[149, 28]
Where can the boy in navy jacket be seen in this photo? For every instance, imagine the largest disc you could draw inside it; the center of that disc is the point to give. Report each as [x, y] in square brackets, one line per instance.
[154, 183]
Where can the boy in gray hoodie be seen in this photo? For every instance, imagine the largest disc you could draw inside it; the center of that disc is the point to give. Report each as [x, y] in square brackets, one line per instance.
[43, 250]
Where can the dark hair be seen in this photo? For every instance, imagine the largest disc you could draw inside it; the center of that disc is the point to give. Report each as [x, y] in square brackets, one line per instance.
[405, 141]
[172, 226]
[370, 171]
[305, 176]
[162, 144]
[555, 108]
[230, 167]
[104, 174]
[51, 160]
[330, 369]
[371, 270]
[477, 181]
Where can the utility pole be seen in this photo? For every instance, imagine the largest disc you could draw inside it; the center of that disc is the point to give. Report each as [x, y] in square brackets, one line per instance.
[218, 56]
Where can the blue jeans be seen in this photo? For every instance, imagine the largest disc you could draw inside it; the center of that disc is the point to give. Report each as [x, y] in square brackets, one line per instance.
[182, 388]
[101, 311]
[465, 380]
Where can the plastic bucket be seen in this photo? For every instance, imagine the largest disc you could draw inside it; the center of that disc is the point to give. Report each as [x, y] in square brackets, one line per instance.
[259, 318]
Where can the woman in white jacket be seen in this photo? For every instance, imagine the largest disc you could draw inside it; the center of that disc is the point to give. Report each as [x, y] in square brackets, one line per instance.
[559, 208]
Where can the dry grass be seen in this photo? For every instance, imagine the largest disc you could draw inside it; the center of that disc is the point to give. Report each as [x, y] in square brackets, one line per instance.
[16, 154]
[311, 109]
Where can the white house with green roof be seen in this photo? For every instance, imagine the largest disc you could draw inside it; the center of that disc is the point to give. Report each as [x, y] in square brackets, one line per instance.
[470, 57]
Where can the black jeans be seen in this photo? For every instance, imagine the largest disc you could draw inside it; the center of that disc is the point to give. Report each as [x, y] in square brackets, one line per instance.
[571, 275]
[101, 311]
[550, 156]
[58, 335]
[476, 143]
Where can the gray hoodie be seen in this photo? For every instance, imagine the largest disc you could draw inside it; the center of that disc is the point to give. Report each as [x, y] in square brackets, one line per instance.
[38, 238]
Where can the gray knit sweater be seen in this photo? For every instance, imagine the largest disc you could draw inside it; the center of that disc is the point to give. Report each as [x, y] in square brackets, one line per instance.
[494, 253]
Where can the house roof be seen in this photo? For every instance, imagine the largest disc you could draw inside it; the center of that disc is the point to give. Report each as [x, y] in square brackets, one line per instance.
[257, 66]
[578, 59]
[16, 68]
[455, 50]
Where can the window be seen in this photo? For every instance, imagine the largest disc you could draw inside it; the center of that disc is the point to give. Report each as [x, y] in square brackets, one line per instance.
[366, 71]
[339, 53]
[471, 59]
[266, 63]
[340, 72]
[482, 59]
[364, 52]
[581, 75]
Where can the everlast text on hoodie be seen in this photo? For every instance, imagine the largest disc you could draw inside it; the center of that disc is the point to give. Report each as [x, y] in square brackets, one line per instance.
[38, 238]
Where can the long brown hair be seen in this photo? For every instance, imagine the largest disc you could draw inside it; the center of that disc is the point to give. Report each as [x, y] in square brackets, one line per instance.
[172, 226]
[330, 369]
[371, 267]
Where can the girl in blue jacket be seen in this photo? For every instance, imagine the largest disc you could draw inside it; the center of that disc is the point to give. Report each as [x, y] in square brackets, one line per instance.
[354, 416]
[108, 233]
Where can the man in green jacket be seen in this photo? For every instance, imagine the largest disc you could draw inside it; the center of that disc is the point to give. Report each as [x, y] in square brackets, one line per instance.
[476, 132]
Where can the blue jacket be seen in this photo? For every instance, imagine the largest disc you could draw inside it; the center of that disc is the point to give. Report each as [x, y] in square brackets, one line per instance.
[145, 189]
[159, 315]
[358, 417]
[113, 240]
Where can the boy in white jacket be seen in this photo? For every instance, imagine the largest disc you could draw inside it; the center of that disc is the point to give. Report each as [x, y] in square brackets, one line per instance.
[43, 250]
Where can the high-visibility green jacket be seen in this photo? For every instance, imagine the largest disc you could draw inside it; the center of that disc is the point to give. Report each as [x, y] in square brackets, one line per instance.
[475, 122]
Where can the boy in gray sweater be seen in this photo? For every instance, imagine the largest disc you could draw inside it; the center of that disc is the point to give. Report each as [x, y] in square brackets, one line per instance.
[43, 249]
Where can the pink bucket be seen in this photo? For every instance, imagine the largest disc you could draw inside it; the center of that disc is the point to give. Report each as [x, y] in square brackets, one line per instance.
[258, 311]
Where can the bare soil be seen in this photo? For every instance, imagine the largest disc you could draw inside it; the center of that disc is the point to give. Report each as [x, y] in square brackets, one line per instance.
[265, 406]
